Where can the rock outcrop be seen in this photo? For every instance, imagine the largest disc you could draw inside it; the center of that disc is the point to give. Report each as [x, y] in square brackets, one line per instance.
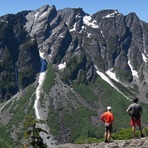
[133, 143]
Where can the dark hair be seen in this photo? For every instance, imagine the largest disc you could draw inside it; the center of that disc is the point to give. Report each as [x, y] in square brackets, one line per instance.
[135, 100]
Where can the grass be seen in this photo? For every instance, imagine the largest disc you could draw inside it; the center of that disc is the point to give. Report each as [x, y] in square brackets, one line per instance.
[110, 97]
[5, 139]
[86, 92]
[79, 123]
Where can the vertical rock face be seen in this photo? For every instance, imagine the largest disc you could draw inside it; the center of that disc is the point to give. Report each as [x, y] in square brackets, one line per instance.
[19, 58]
[107, 39]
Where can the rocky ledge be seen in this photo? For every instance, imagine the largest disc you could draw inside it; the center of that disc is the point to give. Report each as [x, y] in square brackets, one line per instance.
[132, 143]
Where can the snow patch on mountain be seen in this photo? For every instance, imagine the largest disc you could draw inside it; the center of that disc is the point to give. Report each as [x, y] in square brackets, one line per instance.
[111, 15]
[105, 78]
[102, 33]
[89, 34]
[145, 59]
[74, 28]
[87, 21]
[62, 66]
[40, 82]
[112, 74]
[134, 72]
[45, 134]
[36, 15]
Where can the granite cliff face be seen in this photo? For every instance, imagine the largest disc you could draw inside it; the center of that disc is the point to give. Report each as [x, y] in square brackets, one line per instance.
[107, 39]
[19, 57]
[92, 61]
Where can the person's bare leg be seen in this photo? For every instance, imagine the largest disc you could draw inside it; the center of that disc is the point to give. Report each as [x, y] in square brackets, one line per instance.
[105, 136]
[140, 129]
[133, 130]
[108, 136]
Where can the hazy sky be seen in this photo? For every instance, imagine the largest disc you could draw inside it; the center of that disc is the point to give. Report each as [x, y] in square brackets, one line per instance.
[89, 6]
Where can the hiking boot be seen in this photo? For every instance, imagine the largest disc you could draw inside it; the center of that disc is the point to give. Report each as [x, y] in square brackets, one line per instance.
[106, 141]
[142, 135]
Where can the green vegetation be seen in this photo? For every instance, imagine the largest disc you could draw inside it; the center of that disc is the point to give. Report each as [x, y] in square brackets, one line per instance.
[88, 140]
[146, 95]
[118, 103]
[32, 134]
[78, 120]
[49, 81]
[145, 131]
[19, 106]
[79, 123]
[24, 58]
[126, 134]
[18, 109]
[27, 72]
[86, 92]
[5, 139]
[144, 113]
[125, 90]
[124, 75]
[123, 134]
[70, 73]
[54, 122]
[7, 77]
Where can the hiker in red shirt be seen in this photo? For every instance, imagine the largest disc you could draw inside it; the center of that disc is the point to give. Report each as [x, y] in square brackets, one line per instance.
[108, 118]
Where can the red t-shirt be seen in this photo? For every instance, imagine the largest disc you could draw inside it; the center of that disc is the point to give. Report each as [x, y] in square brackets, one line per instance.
[107, 117]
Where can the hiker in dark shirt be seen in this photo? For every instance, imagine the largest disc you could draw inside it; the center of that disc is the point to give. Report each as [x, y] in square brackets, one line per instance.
[135, 111]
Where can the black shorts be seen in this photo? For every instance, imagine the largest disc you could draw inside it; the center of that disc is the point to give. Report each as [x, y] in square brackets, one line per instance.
[108, 128]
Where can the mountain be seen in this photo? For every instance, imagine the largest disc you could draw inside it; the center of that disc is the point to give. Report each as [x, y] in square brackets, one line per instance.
[59, 69]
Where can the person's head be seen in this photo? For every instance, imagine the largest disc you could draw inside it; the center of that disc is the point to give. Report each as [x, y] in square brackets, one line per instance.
[135, 100]
[109, 108]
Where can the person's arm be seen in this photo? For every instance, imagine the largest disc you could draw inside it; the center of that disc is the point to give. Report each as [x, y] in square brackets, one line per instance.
[102, 117]
[129, 109]
[113, 118]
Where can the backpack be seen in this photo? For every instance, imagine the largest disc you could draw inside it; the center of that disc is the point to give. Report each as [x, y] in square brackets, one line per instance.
[136, 111]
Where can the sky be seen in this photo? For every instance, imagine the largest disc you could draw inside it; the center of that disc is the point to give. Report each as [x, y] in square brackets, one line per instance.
[89, 6]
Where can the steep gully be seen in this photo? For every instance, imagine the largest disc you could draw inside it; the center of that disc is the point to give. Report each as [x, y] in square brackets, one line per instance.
[45, 133]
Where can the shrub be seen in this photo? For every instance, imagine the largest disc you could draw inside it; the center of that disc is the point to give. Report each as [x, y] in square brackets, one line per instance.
[124, 134]
[87, 140]
[145, 131]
